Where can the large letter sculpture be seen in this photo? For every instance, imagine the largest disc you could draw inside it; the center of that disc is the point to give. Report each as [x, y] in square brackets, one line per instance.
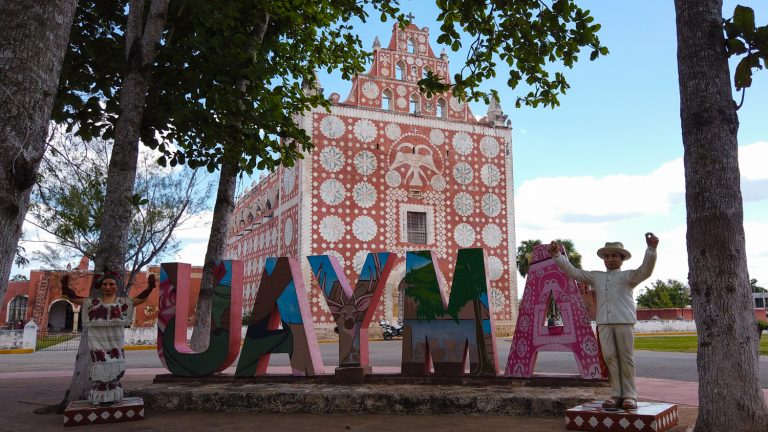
[226, 318]
[537, 330]
[281, 297]
[352, 310]
[443, 331]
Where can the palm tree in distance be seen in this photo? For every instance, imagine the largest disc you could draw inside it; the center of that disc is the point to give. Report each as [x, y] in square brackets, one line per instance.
[525, 252]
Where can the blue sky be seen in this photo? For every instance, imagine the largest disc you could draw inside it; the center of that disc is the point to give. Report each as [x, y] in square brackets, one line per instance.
[607, 164]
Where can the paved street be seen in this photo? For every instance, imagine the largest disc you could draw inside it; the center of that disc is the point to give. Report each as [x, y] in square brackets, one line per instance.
[650, 364]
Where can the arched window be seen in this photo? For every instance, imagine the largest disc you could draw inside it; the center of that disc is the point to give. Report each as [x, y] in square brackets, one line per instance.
[17, 309]
[414, 72]
[414, 104]
[441, 111]
[399, 71]
[386, 100]
[411, 46]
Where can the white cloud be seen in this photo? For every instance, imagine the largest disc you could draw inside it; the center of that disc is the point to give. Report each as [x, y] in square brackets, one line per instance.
[591, 211]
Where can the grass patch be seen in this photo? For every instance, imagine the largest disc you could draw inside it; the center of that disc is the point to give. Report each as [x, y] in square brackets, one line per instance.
[680, 343]
[50, 340]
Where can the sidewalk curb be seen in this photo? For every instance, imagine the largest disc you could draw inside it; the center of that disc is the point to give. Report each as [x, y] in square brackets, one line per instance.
[17, 351]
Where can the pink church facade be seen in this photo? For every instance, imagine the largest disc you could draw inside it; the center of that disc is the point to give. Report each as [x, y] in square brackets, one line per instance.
[392, 170]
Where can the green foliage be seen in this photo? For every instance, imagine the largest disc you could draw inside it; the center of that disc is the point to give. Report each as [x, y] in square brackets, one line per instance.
[68, 201]
[744, 39]
[526, 35]
[228, 80]
[19, 277]
[669, 294]
[525, 252]
[755, 287]
[19, 259]
[762, 325]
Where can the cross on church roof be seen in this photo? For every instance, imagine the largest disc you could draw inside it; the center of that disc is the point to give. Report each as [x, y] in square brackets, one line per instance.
[410, 17]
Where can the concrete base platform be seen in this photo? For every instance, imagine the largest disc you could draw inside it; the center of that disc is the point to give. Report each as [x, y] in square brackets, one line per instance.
[385, 398]
[81, 413]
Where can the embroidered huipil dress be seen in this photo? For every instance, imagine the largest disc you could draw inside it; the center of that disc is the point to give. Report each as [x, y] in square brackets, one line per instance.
[106, 333]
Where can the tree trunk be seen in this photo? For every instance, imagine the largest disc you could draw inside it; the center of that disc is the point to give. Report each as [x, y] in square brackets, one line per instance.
[730, 397]
[217, 244]
[142, 38]
[33, 40]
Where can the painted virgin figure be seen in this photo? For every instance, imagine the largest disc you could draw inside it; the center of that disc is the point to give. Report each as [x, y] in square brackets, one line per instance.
[106, 317]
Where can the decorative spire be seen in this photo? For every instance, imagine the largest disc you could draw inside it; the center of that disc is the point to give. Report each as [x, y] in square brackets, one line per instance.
[443, 55]
[312, 89]
[410, 18]
[376, 44]
[495, 116]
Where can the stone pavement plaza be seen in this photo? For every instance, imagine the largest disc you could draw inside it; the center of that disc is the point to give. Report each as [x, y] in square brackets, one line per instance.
[22, 392]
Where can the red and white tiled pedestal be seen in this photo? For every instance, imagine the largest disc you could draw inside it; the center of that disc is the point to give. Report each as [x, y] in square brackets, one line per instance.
[80, 413]
[648, 417]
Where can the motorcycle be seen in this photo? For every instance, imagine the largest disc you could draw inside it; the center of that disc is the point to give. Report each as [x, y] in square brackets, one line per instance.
[390, 331]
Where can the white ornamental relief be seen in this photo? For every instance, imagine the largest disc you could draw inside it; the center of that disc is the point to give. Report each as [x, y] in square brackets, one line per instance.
[385, 71]
[393, 178]
[464, 235]
[392, 131]
[495, 268]
[497, 300]
[401, 90]
[401, 103]
[489, 174]
[332, 228]
[436, 137]
[462, 143]
[370, 89]
[419, 159]
[332, 191]
[364, 228]
[332, 159]
[422, 49]
[365, 130]
[491, 204]
[492, 235]
[364, 194]
[332, 127]
[462, 172]
[288, 232]
[456, 104]
[359, 261]
[464, 204]
[289, 180]
[489, 146]
[365, 162]
[438, 183]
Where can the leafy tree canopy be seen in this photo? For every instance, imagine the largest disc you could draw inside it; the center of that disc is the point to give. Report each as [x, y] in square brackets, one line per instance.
[524, 34]
[669, 294]
[228, 75]
[18, 277]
